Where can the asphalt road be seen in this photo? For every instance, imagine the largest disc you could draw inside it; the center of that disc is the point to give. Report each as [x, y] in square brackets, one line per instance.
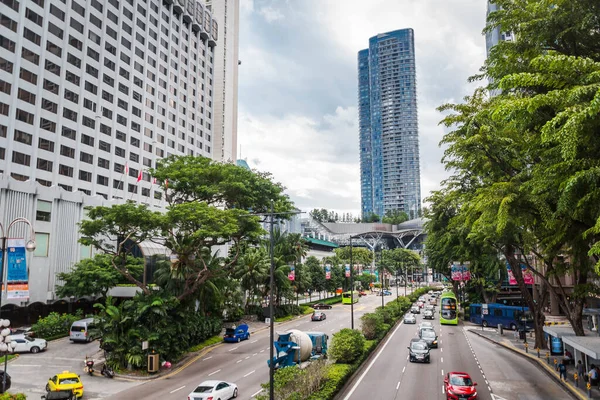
[500, 374]
[245, 363]
[30, 372]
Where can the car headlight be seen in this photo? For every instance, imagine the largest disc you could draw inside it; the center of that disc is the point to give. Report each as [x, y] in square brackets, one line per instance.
[435, 342]
[452, 393]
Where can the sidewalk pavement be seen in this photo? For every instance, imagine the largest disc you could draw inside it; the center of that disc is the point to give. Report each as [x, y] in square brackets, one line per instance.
[545, 361]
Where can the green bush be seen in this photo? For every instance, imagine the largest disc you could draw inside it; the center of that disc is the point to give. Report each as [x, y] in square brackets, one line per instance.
[55, 325]
[337, 375]
[293, 383]
[15, 396]
[346, 346]
[329, 300]
[372, 325]
[206, 343]
[385, 313]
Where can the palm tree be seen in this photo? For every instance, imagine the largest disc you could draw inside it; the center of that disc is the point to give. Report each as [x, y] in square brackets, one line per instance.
[252, 269]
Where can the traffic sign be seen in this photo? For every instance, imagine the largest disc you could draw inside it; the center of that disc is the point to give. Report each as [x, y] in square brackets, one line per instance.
[484, 309]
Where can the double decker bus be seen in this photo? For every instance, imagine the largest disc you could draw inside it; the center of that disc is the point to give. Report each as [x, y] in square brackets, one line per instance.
[448, 309]
[350, 297]
[512, 317]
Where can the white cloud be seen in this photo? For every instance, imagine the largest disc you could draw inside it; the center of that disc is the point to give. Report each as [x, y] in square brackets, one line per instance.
[246, 7]
[298, 90]
[270, 14]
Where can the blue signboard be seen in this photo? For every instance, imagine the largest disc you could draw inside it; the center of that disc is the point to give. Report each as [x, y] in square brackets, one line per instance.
[556, 346]
[17, 266]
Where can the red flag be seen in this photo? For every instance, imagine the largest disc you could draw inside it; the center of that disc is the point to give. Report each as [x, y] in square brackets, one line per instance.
[126, 168]
[139, 176]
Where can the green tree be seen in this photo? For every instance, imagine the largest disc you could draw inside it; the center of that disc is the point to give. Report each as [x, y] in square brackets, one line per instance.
[347, 346]
[394, 217]
[316, 272]
[252, 270]
[360, 255]
[398, 261]
[371, 217]
[95, 276]
[207, 208]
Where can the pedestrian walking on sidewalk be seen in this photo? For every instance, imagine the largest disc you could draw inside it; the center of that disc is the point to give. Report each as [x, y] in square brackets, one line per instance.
[580, 368]
[562, 370]
[593, 375]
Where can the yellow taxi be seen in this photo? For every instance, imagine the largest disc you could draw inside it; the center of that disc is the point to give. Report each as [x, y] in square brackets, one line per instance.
[65, 381]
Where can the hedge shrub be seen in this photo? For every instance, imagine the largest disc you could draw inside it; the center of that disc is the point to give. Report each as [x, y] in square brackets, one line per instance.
[15, 396]
[372, 325]
[55, 325]
[346, 346]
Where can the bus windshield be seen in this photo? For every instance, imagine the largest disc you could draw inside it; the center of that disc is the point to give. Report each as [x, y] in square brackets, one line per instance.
[448, 308]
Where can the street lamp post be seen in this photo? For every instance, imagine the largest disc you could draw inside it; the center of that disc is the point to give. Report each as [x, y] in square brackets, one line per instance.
[397, 295]
[6, 345]
[351, 288]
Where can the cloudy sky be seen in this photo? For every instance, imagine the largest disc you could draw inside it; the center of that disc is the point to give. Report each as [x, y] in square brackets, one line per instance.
[298, 86]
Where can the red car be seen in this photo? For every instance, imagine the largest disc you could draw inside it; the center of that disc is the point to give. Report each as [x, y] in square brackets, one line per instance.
[459, 385]
[362, 293]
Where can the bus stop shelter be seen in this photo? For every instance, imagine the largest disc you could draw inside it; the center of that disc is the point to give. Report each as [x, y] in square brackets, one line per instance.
[584, 348]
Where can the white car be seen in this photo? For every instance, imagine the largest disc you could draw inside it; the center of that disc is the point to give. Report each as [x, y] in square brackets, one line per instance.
[410, 319]
[27, 344]
[214, 390]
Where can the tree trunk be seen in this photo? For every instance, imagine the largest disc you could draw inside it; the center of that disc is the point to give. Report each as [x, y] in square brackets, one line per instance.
[536, 309]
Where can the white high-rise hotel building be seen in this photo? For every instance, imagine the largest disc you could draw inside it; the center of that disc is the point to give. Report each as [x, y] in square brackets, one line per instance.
[93, 93]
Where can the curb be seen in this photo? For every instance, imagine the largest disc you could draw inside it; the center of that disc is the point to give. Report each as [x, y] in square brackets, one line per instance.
[575, 393]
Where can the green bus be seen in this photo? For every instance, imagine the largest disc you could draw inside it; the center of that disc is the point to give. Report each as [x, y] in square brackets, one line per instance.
[350, 297]
[448, 309]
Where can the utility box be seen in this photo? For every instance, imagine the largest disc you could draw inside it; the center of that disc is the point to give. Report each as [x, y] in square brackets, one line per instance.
[522, 334]
[500, 329]
[153, 362]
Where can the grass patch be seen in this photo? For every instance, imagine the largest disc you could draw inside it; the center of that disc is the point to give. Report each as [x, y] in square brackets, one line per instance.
[286, 318]
[206, 343]
[329, 300]
[308, 310]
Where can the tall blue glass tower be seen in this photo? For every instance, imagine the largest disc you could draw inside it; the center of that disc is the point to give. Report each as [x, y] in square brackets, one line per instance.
[389, 137]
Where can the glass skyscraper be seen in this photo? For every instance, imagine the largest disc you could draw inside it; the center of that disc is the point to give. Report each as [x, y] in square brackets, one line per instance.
[389, 137]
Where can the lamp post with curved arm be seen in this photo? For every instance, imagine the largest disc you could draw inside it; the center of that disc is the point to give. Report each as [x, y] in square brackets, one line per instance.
[6, 345]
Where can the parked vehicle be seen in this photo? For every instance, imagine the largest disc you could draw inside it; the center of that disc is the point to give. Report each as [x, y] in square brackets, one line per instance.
[60, 395]
[107, 371]
[214, 390]
[65, 381]
[459, 385]
[26, 344]
[511, 317]
[80, 330]
[236, 334]
[418, 351]
[318, 316]
[362, 293]
[322, 306]
[296, 347]
[24, 330]
[410, 319]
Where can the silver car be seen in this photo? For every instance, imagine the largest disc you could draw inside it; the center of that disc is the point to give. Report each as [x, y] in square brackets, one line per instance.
[410, 319]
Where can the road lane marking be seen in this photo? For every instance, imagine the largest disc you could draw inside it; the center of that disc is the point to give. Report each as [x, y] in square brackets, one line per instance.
[247, 358]
[441, 350]
[235, 348]
[254, 341]
[207, 358]
[212, 373]
[366, 371]
[262, 351]
[442, 372]
[254, 354]
[398, 385]
[443, 389]
[250, 373]
[238, 361]
[442, 359]
[333, 330]
[176, 390]
[403, 369]
[256, 393]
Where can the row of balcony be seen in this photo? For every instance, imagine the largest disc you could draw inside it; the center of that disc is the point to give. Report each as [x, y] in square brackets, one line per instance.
[201, 19]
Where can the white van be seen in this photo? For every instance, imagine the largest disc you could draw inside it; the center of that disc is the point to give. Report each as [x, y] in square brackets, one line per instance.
[80, 330]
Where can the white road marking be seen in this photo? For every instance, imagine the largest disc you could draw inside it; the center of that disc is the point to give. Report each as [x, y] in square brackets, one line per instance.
[250, 373]
[442, 372]
[254, 354]
[366, 371]
[404, 369]
[441, 350]
[341, 325]
[247, 358]
[176, 390]
[256, 393]
[442, 359]
[262, 351]
[443, 389]
[333, 330]
[212, 373]
[407, 357]
[398, 385]
[207, 358]
[235, 348]
[238, 361]
[254, 341]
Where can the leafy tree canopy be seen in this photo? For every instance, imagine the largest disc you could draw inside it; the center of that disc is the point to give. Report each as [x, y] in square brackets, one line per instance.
[360, 255]
[394, 217]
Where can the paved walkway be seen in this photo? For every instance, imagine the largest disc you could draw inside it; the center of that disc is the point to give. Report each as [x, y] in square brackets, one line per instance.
[544, 361]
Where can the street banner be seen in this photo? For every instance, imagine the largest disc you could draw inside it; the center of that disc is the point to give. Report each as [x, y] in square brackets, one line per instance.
[347, 271]
[16, 273]
[456, 272]
[466, 274]
[292, 273]
[328, 272]
[527, 275]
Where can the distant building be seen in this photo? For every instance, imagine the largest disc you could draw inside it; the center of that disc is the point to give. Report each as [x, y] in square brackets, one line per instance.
[494, 37]
[227, 12]
[243, 164]
[389, 137]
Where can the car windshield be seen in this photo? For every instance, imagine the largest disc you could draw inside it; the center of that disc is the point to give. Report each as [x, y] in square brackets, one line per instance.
[68, 381]
[429, 334]
[28, 338]
[461, 381]
[419, 346]
[203, 389]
